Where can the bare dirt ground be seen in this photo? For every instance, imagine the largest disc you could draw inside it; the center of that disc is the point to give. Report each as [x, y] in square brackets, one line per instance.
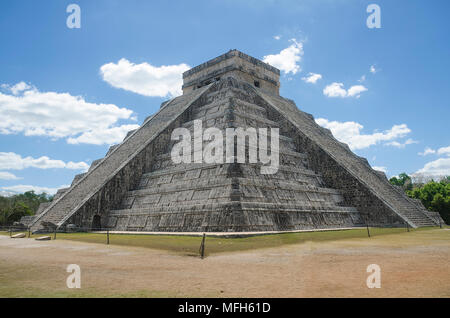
[412, 265]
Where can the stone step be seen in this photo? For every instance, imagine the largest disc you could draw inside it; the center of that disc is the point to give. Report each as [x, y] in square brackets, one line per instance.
[197, 207]
[286, 157]
[289, 170]
[225, 93]
[239, 119]
[207, 175]
[230, 107]
[285, 146]
[221, 187]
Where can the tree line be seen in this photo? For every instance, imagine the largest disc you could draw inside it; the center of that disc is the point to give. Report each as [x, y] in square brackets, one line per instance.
[435, 195]
[14, 207]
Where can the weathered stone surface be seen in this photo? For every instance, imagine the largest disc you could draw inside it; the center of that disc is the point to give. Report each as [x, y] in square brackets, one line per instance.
[19, 235]
[48, 226]
[59, 193]
[320, 183]
[77, 178]
[71, 228]
[18, 225]
[43, 207]
[43, 238]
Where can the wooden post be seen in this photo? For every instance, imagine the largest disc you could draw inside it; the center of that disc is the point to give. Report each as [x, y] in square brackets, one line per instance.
[202, 247]
[107, 236]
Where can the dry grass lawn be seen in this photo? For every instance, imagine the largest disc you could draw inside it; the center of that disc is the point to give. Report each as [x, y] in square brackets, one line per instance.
[330, 264]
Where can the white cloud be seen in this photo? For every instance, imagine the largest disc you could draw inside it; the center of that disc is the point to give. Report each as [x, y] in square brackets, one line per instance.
[13, 161]
[383, 169]
[441, 151]
[372, 69]
[8, 176]
[287, 60]
[312, 78]
[444, 151]
[57, 115]
[337, 90]
[362, 79]
[436, 168]
[356, 90]
[145, 79]
[277, 37]
[109, 136]
[17, 88]
[400, 144]
[7, 193]
[77, 166]
[427, 151]
[21, 188]
[350, 133]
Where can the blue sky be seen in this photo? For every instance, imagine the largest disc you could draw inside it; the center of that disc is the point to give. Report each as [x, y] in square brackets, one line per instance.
[67, 94]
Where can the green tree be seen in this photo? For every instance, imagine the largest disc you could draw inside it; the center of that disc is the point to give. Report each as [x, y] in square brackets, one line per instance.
[435, 196]
[403, 180]
[14, 207]
[4, 216]
[19, 210]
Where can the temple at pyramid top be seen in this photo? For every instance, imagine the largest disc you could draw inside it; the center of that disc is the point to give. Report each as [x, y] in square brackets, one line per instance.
[233, 64]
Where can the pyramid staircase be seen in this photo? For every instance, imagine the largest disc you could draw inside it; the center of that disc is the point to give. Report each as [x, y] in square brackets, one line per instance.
[376, 182]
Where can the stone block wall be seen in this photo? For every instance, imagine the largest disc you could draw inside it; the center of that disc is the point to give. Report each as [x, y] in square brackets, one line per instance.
[373, 210]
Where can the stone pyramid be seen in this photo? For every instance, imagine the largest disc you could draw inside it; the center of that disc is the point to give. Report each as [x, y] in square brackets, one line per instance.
[319, 183]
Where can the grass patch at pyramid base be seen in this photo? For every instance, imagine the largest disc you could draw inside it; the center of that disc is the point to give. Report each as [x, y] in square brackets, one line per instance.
[189, 245]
